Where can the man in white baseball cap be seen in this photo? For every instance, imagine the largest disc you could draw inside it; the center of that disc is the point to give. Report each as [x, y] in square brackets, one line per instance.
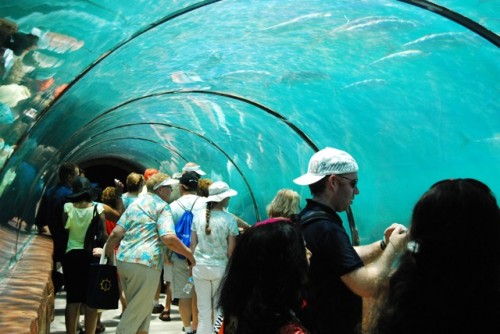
[340, 274]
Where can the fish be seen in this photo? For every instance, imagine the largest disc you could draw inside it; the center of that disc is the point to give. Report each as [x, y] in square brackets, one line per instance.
[370, 21]
[366, 82]
[297, 19]
[401, 54]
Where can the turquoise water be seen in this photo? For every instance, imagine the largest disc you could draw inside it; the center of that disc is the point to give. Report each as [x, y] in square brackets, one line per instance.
[250, 89]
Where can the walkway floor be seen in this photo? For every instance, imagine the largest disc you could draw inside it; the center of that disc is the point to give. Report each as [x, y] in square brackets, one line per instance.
[110, 319]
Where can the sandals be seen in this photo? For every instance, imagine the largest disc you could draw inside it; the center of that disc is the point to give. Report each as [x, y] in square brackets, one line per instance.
[158, 308]
[100, 328]
[164, 316]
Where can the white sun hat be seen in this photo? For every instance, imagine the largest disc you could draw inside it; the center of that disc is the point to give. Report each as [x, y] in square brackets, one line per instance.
[167, 182]
[328, 161]
[219, 190]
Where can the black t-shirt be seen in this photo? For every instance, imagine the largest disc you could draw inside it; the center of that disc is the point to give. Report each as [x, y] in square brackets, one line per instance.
[332, 307]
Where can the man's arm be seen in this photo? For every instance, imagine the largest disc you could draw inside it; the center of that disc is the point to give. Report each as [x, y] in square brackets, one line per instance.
[369, 253]
[176, 245]
[194, 241]
[367, 280]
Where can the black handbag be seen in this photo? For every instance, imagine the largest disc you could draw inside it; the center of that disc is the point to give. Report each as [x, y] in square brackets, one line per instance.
[95, 236]
[102, 291]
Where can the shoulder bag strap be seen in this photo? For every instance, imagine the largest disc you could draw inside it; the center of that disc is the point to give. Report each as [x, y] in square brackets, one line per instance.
[352, 225]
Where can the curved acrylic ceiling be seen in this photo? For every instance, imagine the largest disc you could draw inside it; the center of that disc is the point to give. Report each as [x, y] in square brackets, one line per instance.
[250, 89]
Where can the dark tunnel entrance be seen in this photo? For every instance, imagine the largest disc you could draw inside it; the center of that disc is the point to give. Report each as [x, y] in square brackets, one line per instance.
[104, 171]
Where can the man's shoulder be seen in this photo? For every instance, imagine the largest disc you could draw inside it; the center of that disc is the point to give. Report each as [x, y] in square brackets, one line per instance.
[315, 211]
[320, 220]
[320, 214]
[183, 203]
[61, 191]
[186, 202]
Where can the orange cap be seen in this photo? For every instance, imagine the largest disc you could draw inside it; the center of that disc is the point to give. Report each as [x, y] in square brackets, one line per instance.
[150, 172]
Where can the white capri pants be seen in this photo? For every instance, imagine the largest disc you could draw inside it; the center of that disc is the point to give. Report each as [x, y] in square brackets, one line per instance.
[206, 281]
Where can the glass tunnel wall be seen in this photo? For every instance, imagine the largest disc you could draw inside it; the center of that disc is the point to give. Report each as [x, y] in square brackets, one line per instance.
[250, 89]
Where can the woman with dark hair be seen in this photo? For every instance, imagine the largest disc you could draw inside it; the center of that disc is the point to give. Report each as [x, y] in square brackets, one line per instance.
[448, 280]
[265, 282]
[77, 216]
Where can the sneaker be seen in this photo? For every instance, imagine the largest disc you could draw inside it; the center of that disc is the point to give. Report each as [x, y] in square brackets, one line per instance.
[158, 308]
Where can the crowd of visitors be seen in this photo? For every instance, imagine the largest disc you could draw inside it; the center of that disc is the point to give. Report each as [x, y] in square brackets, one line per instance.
[296, 271]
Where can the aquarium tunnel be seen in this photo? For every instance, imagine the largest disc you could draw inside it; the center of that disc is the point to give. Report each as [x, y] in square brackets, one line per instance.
[248, 89]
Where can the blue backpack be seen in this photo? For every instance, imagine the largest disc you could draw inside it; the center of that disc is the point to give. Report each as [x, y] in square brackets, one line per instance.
[183, 227]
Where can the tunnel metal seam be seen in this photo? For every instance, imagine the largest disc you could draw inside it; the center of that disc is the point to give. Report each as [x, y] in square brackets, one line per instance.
[71, 154]
[458, 18]
[268, 110]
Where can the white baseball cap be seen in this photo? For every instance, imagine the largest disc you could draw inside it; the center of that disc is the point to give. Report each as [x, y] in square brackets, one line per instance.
[328, 161]
[177, 175]
[192, 167]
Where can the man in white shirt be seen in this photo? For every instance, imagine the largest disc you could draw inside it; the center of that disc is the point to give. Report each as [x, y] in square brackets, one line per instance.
[188, 200]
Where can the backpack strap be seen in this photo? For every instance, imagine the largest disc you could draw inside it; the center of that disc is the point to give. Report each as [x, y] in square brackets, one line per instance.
[314, 216]
[194, 203]
[184, 208]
